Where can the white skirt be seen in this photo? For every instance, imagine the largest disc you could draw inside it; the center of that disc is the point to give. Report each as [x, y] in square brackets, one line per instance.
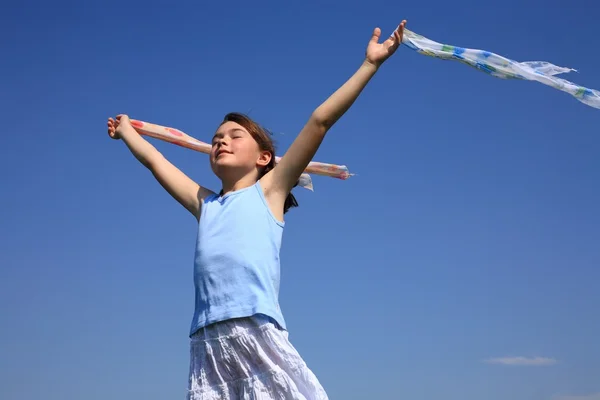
[248, 359]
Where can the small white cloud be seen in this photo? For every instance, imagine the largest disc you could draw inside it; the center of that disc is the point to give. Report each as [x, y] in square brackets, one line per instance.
[532, 361]
[585, 397]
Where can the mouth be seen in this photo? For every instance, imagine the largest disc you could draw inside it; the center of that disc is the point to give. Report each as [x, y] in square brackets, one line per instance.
[220, 152]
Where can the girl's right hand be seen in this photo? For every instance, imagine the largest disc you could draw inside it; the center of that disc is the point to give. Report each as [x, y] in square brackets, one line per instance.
[112, 129]
[116, 127]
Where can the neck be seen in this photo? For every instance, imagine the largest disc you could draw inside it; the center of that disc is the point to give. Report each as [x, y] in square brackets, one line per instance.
[237, 184]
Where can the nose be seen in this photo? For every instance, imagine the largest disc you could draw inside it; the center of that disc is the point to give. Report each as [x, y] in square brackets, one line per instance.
[217, 143]
[220, 144]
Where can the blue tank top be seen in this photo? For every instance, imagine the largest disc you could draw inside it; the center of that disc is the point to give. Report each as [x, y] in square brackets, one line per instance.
[236, 268]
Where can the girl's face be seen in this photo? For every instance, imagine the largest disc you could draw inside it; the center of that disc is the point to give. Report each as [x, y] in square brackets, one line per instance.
[235, 150]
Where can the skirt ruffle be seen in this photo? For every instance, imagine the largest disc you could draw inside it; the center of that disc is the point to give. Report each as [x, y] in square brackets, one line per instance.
[248, 359]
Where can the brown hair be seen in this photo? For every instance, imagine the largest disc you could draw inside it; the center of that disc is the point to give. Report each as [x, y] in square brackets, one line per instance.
[265, 143]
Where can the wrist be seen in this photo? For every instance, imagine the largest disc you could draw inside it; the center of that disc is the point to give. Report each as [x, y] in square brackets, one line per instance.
[371, 65]
[126, 130]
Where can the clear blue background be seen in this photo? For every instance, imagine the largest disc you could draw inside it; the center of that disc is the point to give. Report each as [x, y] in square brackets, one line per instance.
[471, 230]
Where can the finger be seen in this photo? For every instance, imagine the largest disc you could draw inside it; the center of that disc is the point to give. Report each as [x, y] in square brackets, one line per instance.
[399, 32]
[376, 35]
[392, 38]
[401, 27]
[123, 118]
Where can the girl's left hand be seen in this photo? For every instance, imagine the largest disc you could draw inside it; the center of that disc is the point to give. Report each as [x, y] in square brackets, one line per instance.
[377, 52]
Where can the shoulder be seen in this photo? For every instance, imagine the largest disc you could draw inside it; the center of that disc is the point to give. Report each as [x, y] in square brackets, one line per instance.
[205, 197]
[274, 196]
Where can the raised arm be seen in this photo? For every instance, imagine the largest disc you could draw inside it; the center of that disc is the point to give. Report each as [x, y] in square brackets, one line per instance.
[187, 192]
[280, 181]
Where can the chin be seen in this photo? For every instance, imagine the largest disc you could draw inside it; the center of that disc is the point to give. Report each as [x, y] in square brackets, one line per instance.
[224, 164]
[223, 168]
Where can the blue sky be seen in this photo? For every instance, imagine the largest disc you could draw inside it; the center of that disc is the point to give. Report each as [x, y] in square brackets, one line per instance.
[469, 233]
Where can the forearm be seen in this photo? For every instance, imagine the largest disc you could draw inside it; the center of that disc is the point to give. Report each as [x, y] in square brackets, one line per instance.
[285, 175]
[339, 102]
[291, 165]
[145, 152]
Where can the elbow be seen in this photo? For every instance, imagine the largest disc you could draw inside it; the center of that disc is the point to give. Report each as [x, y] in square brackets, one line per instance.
[151, 160]
[321, 122]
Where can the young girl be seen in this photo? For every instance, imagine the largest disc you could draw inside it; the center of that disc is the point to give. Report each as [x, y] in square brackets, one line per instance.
[239, 342]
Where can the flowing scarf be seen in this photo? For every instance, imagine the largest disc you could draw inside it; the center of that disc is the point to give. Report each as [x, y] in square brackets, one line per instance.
[180, 138]
[488, 62]
[502, 67]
